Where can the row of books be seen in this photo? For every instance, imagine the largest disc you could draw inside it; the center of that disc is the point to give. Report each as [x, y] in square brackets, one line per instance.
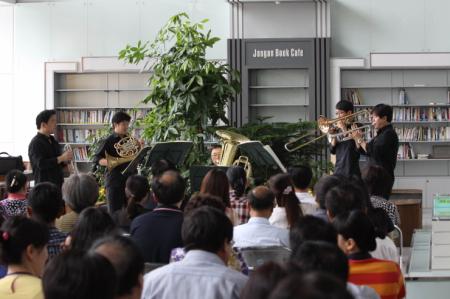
[75, 135]
[80, 153]
[100, 116]
[421, 113]
[423, 133]
[405, 151]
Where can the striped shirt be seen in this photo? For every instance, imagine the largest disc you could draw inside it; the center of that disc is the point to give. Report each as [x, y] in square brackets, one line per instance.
[385, 277]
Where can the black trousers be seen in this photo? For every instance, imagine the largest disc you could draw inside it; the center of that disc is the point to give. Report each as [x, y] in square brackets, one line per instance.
[115, 191]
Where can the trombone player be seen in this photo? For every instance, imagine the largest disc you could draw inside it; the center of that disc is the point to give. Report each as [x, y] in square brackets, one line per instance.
[113, 147]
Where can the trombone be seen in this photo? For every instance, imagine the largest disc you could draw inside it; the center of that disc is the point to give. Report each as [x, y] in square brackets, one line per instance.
[326, 126]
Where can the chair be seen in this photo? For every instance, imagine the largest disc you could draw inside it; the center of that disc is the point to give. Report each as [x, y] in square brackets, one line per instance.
[257, 256]
[148, 267]
[397, 236]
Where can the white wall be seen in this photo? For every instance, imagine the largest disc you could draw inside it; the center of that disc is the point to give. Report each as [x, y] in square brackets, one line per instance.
[33, 33]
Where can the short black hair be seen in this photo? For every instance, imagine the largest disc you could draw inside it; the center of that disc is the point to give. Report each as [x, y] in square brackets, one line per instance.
[310, 228]
[43, 117]
[357, 226]
[345, 105]
[301, 176]
[126, 259]
[322, 256]
[263, 280]
[119, 117]
[260, 199]
[237, 178]
[204, 199]
[216, 145]
[45, 201]
[324, 185]
[160, 166]
[206, 228]
[16, 234]
[74, 275]
[381, 222]
[344, 198]
[169, 188]
[15, 180]
[376, 179]
[382, 110]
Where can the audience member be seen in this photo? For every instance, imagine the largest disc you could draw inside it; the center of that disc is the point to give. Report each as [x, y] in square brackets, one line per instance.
[207, 233]
[128, 262]
[23, 244]
[263, 280]
[238, 183]
[378, 182]
[80, 191]
[258, 231]
[92, 225]
[74, 275]
[356, 237]
[287, 211]
[344, 198]
[158, 232]
[386, 249]
[45, 203]
[301, 177]
[16, 202]
[160, 166]
[320, 189]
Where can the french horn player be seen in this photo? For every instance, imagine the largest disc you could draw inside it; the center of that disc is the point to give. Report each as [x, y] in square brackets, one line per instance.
[116, 152]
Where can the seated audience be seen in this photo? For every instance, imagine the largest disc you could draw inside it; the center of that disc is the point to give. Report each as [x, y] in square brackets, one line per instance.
[16, 202]
[378, 183]
[344, 198]
[287, 211]
[45, 203]
[128, 262]
[238, 183]
[158, 232]
[73, 275]
[301, 177]
[356, 237]
[23, 247]
[263, 280]
[327, 257]
[207, 233]
[258, 231]
[386, 249]
[321, 188]
[93, 224]
[137, 190]
[80, 191]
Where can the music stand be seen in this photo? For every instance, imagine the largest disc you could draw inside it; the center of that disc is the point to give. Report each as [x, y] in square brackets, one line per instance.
[174, 151]
[260, 155]
[131, 168]
[198, 172]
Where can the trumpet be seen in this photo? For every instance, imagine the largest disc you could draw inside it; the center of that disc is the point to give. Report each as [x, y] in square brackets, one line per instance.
[73, 168]
[327, 126]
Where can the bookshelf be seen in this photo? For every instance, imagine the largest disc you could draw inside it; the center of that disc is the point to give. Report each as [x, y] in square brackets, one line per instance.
[421, 117]
[86, 101]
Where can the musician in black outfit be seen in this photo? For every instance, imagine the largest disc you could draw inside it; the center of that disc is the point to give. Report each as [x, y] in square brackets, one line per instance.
[114, 179]
[347, 155]
[382, 149]
[47, 160]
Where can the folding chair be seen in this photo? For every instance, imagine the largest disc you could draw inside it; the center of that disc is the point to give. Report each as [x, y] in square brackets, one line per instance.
[257, 256]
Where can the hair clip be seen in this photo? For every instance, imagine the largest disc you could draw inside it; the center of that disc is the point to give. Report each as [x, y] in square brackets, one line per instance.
[287, 190]
[13, 182]
[5, 236]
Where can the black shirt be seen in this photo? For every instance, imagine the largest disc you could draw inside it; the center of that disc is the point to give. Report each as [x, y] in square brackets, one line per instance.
[43, 152]
[382, 149]
[347, 158]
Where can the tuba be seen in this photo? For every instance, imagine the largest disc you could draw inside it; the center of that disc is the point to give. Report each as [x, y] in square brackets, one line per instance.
[128, 148]
[230, 142]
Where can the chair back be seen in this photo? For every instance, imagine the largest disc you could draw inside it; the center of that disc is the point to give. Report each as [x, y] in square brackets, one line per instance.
[148, 267]
[257, 256]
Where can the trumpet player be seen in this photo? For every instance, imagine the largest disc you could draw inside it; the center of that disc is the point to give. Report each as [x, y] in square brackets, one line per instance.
[114, 179]
[344, 147]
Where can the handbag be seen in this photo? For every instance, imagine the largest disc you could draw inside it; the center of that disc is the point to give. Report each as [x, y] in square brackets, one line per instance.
[8, 162]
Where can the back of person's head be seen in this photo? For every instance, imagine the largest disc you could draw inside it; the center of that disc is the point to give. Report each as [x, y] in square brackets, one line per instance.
[160, 166]
[310, 228]
[281, 186]
[301, 176]
[127, 260]
[263, 280]
[324, 185]
[345, 105]
[73, 275]
[17, 234]
[80, 191]
[15, 181]
[381, 222]
[344, 198]
[119, 117]
[169, 188]
[199, 200]
[216, 183]
[43, 117]
[45, 201]
[313, 285]
[137, 188]
[356, 225]
[377, 179]
[382, 110]
[261, 198]
[238, 179]
[322, 256]
[93, 224]
[206, 228]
